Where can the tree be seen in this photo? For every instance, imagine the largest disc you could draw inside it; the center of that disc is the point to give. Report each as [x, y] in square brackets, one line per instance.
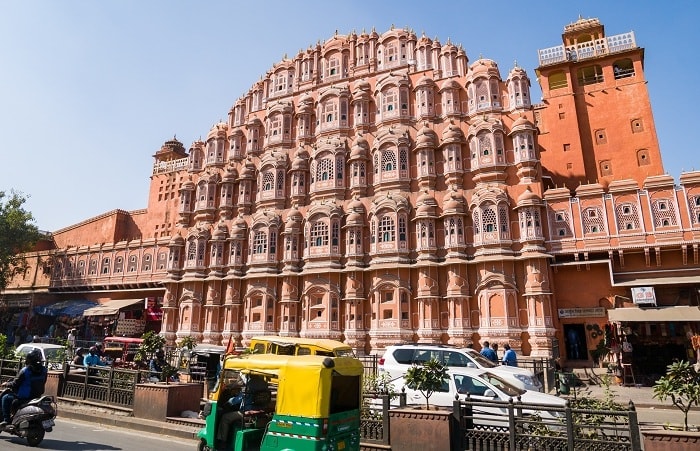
[426, 378]
[18, 235]
[682, 384]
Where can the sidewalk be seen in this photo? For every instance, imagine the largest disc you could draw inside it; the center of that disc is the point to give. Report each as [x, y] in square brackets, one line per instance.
[642, 397]
[186, 428]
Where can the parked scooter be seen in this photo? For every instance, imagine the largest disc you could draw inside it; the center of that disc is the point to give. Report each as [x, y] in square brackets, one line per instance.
[32, 419]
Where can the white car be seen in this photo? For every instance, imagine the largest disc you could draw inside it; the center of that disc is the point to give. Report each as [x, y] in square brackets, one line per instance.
[397, 359]
[483, 386]
[51, 355]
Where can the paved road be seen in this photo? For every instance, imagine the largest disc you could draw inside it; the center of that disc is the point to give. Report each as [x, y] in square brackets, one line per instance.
[666, 416]
[79, 436]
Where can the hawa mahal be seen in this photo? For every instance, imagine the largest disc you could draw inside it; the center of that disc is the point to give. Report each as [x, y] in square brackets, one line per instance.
[383, 188]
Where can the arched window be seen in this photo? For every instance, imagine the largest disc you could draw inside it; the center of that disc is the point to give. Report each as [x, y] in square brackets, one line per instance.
[386, 230]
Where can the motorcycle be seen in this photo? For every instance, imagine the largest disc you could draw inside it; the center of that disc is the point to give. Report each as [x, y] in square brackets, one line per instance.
[31, 420]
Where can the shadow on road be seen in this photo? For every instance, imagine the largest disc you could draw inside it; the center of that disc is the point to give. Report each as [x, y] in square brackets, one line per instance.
[60, 445]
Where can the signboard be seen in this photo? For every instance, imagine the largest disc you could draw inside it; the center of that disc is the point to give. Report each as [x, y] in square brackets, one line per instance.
[153, 310]
[643, 295]
[581, 312]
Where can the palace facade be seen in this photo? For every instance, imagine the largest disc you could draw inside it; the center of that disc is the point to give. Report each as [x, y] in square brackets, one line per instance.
[382, 188]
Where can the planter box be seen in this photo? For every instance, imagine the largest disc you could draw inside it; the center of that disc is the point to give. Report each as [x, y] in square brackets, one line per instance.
[159, 401]
[424, 430]
[663, 440]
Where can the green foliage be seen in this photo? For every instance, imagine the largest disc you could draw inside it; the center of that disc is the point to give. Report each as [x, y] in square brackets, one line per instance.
[151, 343]
[682, 384]
[6, 350]
[379, 384]
[187, 343]
[18, 235]
[426, 378]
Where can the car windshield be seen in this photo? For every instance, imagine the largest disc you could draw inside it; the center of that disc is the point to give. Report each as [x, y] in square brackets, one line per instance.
[481, 360]
[52, 354]
[502, 385]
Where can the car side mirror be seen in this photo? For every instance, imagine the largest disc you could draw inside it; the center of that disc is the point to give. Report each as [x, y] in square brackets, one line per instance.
[471, 365]
[489, 393]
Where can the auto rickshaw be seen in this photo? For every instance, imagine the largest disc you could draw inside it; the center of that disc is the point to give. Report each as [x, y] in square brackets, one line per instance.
[271, 344]
[202, 363]
[313, 404]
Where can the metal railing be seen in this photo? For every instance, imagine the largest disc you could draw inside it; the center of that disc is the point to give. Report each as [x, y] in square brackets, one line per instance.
[374, 417]
[514, 426]
[102, 384]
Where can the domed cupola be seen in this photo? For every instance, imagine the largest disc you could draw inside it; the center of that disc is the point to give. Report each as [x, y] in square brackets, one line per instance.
[452, 204]
[528, 198]
[360, 148]
[220, 231]
[484, 68]
[452, 134]
[426, 205]
[426, 137]
[176, 240]
[230, 175]
[520, 124]
[218, 130]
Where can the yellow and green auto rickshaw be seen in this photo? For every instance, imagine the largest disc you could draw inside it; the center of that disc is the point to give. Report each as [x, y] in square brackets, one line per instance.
[308, 402]
[271, 344]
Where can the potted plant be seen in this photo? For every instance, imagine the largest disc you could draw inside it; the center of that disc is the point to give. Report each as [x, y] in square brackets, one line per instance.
[423, 429]
[426, 378]
[682, 384]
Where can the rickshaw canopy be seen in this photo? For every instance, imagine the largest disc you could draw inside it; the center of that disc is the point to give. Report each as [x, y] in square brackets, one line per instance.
[305, 383]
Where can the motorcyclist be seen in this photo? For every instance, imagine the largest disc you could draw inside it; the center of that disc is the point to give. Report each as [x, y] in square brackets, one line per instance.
[28, 384]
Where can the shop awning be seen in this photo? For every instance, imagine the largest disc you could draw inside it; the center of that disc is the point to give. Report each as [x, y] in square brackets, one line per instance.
[64, 308]
[651, 281]
[661, 314]
[111, 307]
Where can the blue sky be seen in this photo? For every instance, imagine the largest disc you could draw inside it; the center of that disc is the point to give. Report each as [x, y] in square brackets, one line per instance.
[90, 90]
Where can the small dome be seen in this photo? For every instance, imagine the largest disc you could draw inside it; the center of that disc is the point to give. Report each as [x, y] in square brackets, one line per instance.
[522, 123]
[301, 160]
[528, 198]
[230, 176]
[452, 134]
[354, 219]
[239, 225]
[425, 81]
[218, 130]
[425, 137]
[293, 219]
[360, 148]
[452, 203]
[220, 231]
[517, 72]
[248, 171]
[450, 83]
[484, 67]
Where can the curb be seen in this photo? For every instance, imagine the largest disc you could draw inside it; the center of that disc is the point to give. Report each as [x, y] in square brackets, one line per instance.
[137, 424]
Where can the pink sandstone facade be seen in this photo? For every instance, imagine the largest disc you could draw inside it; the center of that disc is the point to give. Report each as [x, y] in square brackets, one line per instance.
[380, 188]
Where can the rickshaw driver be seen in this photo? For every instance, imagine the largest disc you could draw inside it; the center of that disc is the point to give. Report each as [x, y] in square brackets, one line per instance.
[238, 402]
[244, 392]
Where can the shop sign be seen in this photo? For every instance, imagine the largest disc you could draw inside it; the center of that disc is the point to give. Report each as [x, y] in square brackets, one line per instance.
[590, 312]
[643, 295]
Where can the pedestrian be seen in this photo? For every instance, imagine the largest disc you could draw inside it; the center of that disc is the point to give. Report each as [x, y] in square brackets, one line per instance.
[509, 356]
[71, 339]
[156, 366]
[487, 352]
[79, 358]
[494, 346]
[91, 360]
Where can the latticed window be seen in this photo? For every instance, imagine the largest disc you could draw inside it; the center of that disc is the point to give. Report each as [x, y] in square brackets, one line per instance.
[485, 144]
[388, 160]
[489, 220]
[403, 157]
[402, 228]
[387, 232]
[627, 217]
[319, 234]
[593, 220]
[280, 180]
[273, 242]
[562, 224]
[454, 233]
[191, 251]
[376, 163]
[336, 233]
[390, 98]
[530, 223]
[476, 219]
[503, 218]
[339, 167]
[324, 170]
[260, 243]
[664, 213]
[268, 181]
[694, 202]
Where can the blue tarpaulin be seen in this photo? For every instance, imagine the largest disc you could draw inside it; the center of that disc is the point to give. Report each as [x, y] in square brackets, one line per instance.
[64, 308]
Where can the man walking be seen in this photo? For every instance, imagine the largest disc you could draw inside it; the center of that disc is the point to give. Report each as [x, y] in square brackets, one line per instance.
[509, 356]
[489, 353]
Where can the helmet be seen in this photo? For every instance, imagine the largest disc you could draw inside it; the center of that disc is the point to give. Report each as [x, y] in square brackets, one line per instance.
[34, 357]
[80, 351]
[93, 350]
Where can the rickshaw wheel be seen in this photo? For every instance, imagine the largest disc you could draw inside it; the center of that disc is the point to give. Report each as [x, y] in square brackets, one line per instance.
[203, 446]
